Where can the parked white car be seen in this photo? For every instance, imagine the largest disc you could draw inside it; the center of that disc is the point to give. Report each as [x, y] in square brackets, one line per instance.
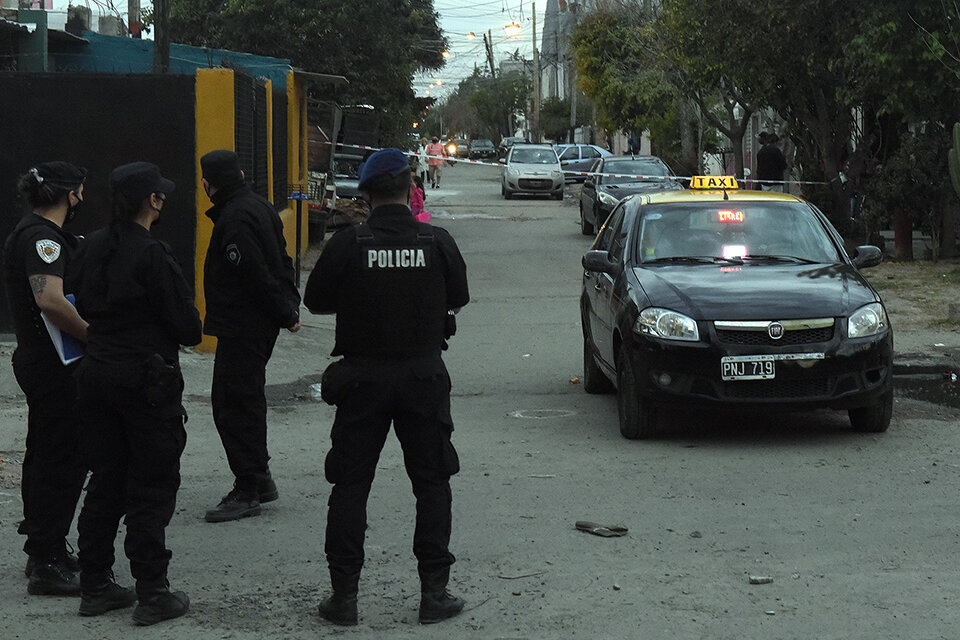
[532, 169]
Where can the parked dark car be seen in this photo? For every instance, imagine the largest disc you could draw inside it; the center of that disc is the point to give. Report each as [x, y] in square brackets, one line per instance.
[482, 148]
[626, 175]
[730, 298]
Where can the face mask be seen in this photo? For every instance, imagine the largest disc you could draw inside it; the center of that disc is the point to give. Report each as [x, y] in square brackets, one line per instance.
[72, 210]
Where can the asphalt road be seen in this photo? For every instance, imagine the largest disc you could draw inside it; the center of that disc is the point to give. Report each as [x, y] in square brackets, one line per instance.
[858, 532]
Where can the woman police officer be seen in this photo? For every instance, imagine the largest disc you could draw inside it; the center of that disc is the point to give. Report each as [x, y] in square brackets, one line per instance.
[37, 257]
[140, 310]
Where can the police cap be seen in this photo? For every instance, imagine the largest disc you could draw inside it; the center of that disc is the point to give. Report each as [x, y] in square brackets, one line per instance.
[137, 180]
[59, 174]
[386, 162]
[221, 168]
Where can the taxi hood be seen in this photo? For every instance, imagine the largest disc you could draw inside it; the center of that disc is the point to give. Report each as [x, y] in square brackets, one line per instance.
[756, 291]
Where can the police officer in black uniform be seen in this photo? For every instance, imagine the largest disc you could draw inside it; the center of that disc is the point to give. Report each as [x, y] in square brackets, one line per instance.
[250, 292]
[141, 310]
[37, 257]
[393, 283]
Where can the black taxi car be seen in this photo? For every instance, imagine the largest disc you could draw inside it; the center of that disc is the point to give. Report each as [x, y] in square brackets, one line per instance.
[714, 296]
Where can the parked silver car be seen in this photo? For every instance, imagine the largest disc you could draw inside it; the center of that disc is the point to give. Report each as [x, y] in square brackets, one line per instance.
[533, 169]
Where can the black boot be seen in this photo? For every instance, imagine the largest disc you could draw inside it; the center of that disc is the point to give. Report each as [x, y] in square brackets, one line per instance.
[235, 505]
[101, 593]
[341, 606]
[267, 488]
[436, 603]
[158, 603]
[64, 554]
[52, 577]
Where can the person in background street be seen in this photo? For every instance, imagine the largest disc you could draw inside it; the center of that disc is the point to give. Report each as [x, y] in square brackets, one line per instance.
[633, 145]
[38, 272]
[423, 167]
[141, 310]
[250, 292]
[770, 162]
[394, 284]
[417, 196]
[435, 162]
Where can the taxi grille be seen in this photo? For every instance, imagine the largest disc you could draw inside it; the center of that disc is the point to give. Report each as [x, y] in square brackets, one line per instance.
[530, 183]
[800, 336]
[776, 389]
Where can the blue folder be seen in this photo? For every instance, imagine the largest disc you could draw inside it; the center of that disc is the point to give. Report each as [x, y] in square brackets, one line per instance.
[68, 348]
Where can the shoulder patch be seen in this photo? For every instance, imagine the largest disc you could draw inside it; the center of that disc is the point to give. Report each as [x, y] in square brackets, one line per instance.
[233, 254]
[48, 250]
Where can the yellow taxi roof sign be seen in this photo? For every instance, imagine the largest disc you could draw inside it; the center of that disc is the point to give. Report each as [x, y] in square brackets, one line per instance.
[727, 183]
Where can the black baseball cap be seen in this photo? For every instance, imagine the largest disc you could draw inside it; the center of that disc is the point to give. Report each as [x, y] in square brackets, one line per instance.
[221, 168]
[59, 174]
[137, 180]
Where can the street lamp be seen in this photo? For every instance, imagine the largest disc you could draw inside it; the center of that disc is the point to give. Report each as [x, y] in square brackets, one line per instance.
[471, 36]
[513, 29]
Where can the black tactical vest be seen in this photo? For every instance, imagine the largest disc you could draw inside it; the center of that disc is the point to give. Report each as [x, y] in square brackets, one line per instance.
[392, 302]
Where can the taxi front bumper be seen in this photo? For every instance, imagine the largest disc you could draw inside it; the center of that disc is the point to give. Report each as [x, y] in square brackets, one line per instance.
[840, 374]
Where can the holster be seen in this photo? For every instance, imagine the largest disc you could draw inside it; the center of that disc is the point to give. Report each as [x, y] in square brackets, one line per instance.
[337, 380]
[160, 379]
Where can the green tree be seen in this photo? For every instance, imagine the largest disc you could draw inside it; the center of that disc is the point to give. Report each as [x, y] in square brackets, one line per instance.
[619, 70]
[555, 117]
[377, 46]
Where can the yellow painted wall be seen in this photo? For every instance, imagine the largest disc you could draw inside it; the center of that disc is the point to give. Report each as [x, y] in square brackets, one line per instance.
[215, 130]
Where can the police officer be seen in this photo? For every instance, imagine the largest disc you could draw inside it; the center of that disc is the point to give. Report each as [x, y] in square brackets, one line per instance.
[392, 282]
[141, 310]
[37, 257]
[251, 294]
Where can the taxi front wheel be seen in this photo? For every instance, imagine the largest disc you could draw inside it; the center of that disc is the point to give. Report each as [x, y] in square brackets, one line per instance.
[874, 418]
[637, 418]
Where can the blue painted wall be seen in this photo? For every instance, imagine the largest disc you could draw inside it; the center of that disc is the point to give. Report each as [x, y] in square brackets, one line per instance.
[113, 54]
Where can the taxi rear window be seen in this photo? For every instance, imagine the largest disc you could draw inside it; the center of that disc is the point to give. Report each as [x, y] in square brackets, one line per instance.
[733, 229]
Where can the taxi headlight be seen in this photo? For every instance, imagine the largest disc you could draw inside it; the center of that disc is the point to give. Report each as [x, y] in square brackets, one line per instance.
[606, 198]
[663, 323]
[556, 173]
[868, 320]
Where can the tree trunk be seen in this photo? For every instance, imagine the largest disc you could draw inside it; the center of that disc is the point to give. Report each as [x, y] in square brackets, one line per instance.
[688, 142]
[902, 235]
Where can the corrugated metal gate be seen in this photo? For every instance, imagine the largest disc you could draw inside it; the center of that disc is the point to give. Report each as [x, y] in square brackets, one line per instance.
[280, 148]
[250, 133]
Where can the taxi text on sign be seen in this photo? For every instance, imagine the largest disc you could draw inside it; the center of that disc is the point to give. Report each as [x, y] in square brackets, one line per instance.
[714, 182]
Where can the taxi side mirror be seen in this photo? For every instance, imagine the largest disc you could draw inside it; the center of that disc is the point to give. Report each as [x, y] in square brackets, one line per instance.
[589, 183]
[502, 160]
[600, 261]
[867, 256]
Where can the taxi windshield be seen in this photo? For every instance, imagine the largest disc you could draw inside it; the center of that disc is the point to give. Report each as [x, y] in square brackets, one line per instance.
[533, 156]
[628, 170]
[753, 232]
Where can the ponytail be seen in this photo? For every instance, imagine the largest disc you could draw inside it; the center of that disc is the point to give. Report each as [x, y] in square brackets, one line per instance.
[41, 193]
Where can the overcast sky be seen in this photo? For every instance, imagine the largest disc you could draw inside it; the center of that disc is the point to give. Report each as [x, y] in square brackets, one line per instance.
[458, 18]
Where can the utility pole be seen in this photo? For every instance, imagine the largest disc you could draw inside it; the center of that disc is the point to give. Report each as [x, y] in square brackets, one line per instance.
[134, 25]
[161, 45]
[536, 78]
[488, 43]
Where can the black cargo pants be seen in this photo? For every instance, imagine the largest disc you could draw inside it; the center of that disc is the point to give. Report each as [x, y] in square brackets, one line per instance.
[53, 472]
[240, 404]
[415, 396]
[133, 449]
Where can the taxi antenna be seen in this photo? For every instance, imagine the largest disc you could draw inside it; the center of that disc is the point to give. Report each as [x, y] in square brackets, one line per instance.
[725, 196]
